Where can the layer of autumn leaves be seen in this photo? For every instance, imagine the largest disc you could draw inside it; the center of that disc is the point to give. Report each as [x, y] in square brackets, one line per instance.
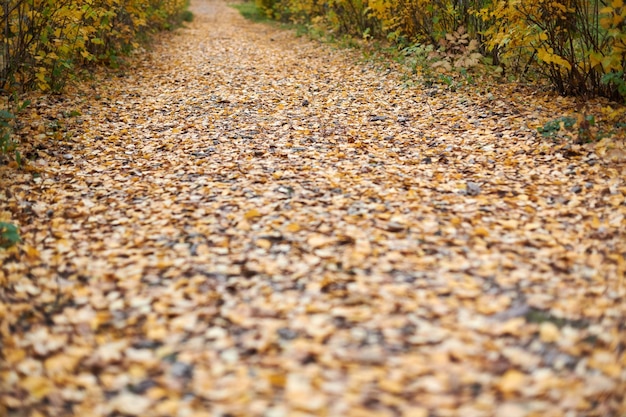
[248, 223]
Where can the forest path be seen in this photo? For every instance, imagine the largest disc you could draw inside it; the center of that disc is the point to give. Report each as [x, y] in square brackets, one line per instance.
[254, 224]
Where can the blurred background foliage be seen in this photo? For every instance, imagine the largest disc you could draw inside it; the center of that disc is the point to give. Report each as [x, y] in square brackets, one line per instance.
[579, 46]
[44, 42]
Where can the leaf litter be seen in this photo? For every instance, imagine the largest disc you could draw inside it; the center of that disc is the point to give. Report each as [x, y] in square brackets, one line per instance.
[249, 223]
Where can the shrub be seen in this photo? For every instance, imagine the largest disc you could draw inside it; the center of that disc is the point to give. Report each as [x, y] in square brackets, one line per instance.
[578, 45]
[45, 41]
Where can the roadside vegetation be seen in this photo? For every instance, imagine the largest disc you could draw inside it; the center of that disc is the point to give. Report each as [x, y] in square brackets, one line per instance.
[579, 46]
[573, 49]
[46, 44]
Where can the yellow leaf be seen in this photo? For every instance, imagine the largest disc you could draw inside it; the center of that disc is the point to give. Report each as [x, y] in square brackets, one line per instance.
[509, 224]
[157, 333]
[605, 22]
[277, 379]
[415, 412]
[549, 332]
[606, 362]
[41, 76]
[60, 364]
[481, 231]
[31, 252]
[512, 326]
[252, 214]
[561, 62]
[512, 381]
[317, 240]
[595, 58]
[243, 225]
[264, 243]
[37, 386]
[167, 407]
[131, 404]
[395, 387]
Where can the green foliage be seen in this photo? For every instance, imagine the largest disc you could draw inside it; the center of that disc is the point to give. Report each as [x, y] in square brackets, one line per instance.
[581, 126]
[9, 235]
[6, 142]
[551, 128]
[8, 146]
[251, 11]
[186, 16]
[540, 316]
[418, 56]
[615, 81]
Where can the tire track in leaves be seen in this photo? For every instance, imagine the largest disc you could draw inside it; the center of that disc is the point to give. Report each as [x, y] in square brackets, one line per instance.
[248, 223]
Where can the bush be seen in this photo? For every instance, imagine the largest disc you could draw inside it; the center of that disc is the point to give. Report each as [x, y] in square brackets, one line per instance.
[44, 42]
[578, 45]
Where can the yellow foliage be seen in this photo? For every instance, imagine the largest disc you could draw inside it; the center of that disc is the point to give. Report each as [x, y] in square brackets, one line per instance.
[574, 43]
[549, 57]
[572, 50]
[72, 33]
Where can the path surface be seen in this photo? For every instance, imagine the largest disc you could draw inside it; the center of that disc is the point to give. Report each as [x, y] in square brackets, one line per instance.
[253, 224]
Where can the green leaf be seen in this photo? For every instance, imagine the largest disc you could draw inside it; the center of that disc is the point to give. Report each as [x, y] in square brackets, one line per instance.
[9, 235]
[18, 159]
[4, 114]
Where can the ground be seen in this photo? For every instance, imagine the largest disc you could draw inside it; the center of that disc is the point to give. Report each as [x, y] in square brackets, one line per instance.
[246, 223]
